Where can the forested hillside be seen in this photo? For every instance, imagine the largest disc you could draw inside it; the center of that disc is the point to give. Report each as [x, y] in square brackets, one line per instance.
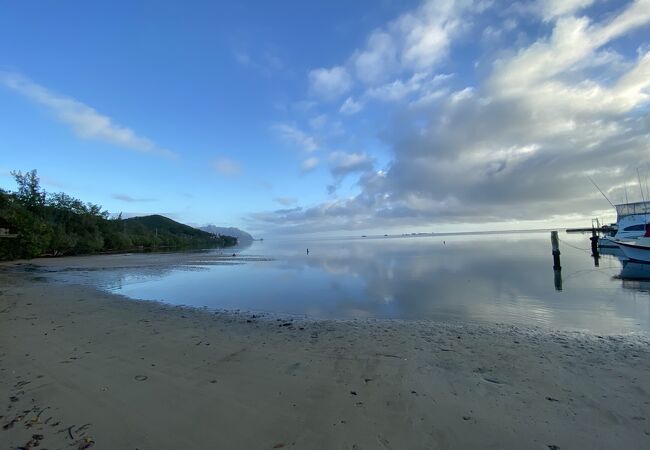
[37, 223]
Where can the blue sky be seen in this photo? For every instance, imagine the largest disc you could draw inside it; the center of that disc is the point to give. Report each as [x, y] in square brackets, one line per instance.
[330, 117]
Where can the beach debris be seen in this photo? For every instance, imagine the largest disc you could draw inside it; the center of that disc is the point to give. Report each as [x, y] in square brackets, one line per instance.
[87, 442]
[388, 355]
[35, 441]
[551, 399]
[141, 377]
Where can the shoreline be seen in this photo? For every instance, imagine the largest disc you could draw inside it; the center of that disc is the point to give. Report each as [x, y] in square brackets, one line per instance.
[145, 375]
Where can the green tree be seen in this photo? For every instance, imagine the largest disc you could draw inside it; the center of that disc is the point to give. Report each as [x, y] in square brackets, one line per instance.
[29, 190]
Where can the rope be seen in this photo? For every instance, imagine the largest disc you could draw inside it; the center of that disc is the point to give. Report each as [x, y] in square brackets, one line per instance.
[573, 246]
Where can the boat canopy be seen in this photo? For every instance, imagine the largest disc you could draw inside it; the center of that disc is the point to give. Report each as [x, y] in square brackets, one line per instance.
[631, 209]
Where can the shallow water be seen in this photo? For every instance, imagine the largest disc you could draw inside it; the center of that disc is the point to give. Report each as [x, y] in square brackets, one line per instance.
[505, 278]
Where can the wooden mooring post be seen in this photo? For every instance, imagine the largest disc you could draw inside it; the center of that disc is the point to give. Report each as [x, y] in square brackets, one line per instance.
[594, 246]
[555, 243]
[557, 268]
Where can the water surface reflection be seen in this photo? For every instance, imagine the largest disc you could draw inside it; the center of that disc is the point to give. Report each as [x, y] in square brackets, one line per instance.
[494, 278]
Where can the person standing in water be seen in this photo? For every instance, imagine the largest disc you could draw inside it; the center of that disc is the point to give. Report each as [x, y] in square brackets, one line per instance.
[308, 251]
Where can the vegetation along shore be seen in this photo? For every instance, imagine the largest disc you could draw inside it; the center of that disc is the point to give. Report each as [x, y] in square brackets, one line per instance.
[38, 223]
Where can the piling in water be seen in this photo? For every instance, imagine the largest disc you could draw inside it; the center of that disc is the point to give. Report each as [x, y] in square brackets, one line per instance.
[555, 243]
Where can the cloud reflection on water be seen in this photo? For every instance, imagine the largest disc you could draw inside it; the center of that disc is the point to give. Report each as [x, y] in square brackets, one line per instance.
[493, 278]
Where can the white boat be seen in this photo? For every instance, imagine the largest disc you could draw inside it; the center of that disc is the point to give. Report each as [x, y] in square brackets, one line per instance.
[638, 249]
[630, 221]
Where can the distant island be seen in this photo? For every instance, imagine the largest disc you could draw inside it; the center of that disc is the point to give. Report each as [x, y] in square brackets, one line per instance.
[242, 236]
[38, 223]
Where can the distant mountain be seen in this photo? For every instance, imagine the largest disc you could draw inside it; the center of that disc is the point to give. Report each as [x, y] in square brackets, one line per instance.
[169, 231]
[241, 235]
[163, 224]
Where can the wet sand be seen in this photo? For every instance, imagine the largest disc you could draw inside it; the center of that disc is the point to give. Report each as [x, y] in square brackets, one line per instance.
[81, 368]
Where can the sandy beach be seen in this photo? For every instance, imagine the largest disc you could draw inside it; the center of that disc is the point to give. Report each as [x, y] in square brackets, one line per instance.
[82, 368]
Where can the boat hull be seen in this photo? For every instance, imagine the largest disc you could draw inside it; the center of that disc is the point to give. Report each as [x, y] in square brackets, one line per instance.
[635, 251]
[607, 242]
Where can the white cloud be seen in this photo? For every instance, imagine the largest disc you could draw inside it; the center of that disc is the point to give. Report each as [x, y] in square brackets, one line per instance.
[85, 121]
[377, 60]
[572, 41]
[295, 136]
[350, 106]
[329, 84]
[426, 34]
[400, 58]
[226, 166]
[550, 9]
[342, 163]
[516, 145]
[130, 199]
[318, 122]
[309, 164]
[422, 84]
[286, 201]
[265, 63]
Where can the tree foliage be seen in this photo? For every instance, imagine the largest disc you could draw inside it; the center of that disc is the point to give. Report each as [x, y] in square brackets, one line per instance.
[55, 224]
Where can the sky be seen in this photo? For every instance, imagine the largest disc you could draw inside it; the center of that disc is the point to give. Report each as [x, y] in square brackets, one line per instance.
[332, 117]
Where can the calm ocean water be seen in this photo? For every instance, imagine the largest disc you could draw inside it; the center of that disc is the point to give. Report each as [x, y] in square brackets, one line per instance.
[498, 278]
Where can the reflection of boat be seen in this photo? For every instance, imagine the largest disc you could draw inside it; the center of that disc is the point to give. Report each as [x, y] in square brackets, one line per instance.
[630, 222]
[639, 249]
[612, 251]
[635, 271]
[635, 276]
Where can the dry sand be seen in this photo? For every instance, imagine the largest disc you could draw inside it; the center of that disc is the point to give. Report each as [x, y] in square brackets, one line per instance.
[82, 368]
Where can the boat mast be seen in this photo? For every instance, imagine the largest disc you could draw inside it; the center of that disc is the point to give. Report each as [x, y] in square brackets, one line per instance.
[601, 192]
[645, 207]
[640, 185]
